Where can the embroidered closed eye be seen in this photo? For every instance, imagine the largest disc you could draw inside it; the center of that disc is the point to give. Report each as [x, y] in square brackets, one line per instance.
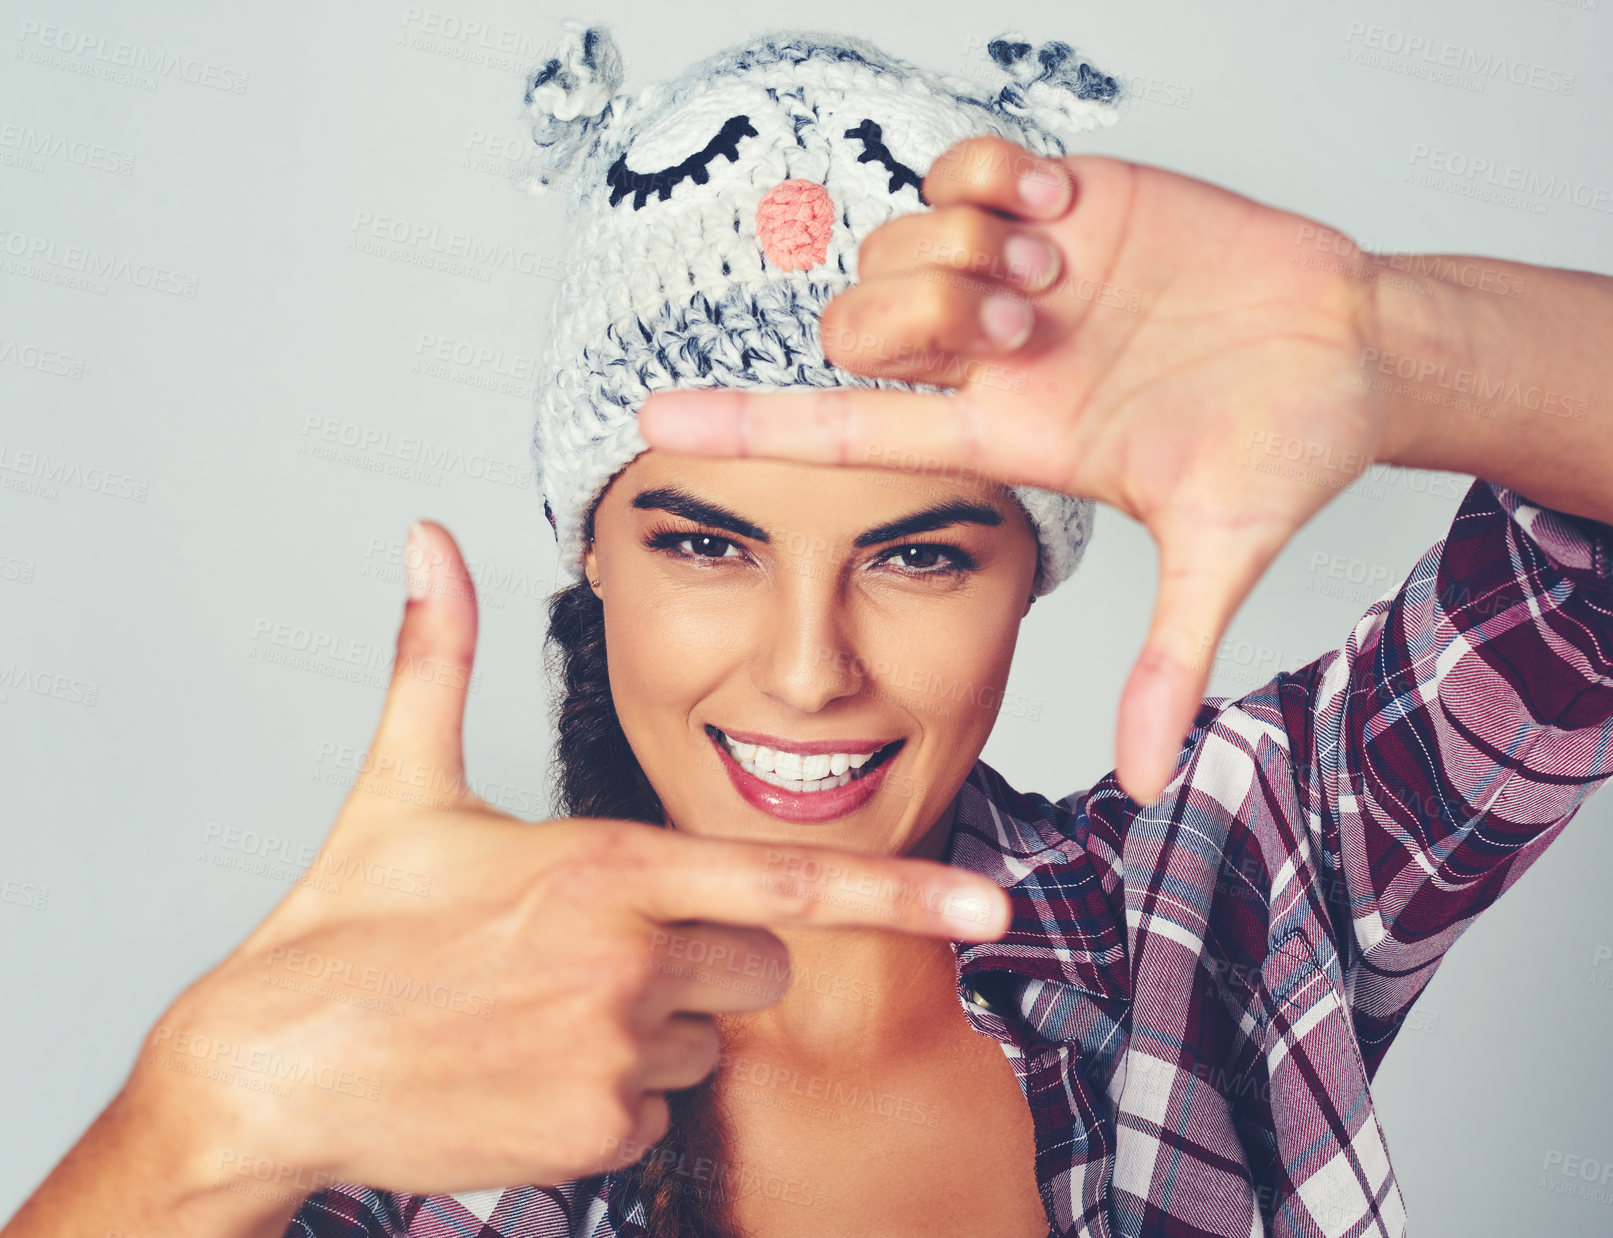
[875, 150]
[623, 180]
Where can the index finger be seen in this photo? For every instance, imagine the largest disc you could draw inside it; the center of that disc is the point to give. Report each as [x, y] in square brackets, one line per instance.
[737, 882]
[859, 427]
[991, 171]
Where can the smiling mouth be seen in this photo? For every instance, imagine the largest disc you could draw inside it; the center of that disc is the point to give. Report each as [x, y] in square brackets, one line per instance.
[788, 781]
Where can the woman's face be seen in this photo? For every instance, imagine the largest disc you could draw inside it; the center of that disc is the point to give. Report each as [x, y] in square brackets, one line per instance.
[858, 607]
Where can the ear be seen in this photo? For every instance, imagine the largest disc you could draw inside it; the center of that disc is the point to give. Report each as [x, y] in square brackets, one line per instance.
[1053, 91]
[571, 98]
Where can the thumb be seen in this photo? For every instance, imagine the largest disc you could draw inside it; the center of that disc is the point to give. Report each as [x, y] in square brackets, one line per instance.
[1205, 573]
[419, 741]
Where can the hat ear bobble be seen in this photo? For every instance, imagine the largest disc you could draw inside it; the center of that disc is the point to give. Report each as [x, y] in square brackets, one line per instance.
[1052, 91]
[570, 98]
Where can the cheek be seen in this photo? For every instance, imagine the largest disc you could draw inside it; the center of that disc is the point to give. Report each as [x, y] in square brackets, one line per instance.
[666, 657]
[665, 651]
[946, 669]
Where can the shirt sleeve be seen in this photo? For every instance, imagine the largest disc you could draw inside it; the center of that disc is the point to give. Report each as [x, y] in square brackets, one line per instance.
[1451, 739]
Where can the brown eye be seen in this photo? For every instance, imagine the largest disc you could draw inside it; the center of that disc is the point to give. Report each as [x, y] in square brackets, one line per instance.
[704, 542]
[671, 541]
[954, 560]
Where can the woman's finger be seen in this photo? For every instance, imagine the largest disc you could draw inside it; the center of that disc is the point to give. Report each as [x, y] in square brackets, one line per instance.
[870, 429]
[992, 171]
[964, 240]
[653, 1121]
[708, 968]
[915, 326]
[680, 1053]
[674, 877]
[1206, 570]
[419, 734]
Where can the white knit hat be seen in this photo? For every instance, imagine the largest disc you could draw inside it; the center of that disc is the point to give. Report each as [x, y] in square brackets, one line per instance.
[711, 217]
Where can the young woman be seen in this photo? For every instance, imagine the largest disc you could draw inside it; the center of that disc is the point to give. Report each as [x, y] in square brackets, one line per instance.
[883, 991]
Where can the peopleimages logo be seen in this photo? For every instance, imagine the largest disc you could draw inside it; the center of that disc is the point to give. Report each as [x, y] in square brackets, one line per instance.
[1507, 183]
[450, 250]
[258, 1068]
[52, 261]
[30, 682]
[32, 147]
[1577, 1176]
[92, 54]
[37, 472]
[386, 984]
[419, 459]
[27, 356]
[1602, 978]
[1448, 63]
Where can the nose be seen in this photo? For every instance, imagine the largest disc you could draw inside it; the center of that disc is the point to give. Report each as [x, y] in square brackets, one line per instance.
[793, 223]
[806, 658]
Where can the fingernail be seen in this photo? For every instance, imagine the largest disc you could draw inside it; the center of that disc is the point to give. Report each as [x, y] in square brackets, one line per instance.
[1031, 260]
[1006, 320]
[417, 563]
[1046, 187]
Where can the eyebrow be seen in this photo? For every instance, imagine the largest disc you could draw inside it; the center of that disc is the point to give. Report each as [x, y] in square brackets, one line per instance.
[680, 502]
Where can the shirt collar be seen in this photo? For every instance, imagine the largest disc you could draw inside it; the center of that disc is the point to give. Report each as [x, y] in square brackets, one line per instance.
[1059, 975]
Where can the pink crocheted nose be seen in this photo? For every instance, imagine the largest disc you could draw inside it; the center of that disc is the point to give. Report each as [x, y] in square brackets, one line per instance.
[793, 223]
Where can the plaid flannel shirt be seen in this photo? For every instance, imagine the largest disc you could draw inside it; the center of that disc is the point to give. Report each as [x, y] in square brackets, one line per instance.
[1195, 995]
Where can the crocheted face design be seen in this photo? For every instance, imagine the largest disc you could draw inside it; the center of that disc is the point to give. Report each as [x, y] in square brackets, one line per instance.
[762, 181]
[711, 217]
[748, 183]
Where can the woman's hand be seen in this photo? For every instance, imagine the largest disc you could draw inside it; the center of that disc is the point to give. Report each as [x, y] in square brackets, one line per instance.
[534, 982]
[1191, 363]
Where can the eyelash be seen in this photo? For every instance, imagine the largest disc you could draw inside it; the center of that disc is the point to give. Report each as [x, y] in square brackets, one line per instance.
[666, 537]
[875, 150]
[623, 180]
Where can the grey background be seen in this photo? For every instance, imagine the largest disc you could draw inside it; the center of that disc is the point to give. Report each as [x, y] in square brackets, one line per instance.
[203, 401]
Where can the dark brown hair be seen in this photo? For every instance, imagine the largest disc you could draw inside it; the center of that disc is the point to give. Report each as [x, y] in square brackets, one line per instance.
[595, 774]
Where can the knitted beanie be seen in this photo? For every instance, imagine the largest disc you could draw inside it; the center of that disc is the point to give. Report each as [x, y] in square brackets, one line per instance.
[711, 217]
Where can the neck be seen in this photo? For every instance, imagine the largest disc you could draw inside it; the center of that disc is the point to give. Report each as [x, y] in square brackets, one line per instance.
[854, 990]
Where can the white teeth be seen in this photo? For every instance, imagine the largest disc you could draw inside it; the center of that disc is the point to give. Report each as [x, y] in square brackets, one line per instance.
[799, 785]
[821, 771]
